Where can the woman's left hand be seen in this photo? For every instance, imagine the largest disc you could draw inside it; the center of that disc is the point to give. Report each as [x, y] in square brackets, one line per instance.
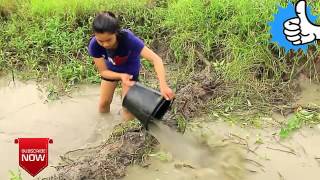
[166, 92]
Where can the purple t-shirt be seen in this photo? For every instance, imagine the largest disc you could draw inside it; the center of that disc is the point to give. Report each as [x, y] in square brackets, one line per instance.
[124, 59]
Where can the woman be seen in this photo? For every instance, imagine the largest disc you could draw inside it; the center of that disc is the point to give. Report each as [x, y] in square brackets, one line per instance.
[116, 53]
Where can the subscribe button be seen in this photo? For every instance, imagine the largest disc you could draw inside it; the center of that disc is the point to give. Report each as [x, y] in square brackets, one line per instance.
[33, 154]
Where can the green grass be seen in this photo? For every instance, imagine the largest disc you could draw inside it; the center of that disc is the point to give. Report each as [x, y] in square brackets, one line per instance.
[123, 127]
[49, 7]
[231, 30]
[47, 40]
[300, 118]
[7, 7]
[162, 156]
[40, 32]
[15, 175]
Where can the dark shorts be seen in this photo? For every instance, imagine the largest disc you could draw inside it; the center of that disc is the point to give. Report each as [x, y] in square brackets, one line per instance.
[135, 78]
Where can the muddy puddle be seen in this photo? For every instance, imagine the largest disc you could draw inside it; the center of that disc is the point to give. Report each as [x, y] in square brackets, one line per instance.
[72, 122]
[263, 155]
[210, 148]
[310, 92]
[270, 158]
[197, 154]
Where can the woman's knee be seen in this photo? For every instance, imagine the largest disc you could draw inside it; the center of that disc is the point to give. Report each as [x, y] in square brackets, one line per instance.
[104, 105]
[106, 94]
[105, 102]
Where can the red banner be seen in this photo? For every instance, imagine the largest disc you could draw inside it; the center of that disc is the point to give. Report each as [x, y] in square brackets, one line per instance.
[33, 154]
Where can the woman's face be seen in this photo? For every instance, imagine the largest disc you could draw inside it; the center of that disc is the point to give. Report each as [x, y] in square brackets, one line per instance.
[107, 40]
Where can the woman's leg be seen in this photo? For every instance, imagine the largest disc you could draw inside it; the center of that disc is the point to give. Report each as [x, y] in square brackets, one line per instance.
[106, 94]
[127, 116]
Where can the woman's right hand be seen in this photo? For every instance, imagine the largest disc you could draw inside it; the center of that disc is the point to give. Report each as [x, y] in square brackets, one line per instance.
[126, 80]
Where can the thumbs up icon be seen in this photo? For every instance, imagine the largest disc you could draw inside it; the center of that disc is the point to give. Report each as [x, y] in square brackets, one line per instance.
[300, 30]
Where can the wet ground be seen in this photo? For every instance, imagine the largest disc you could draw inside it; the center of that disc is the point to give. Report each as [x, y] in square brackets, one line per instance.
[265, 155]
[310, 92]
[198, 154]
[229, 152]
[72, 122]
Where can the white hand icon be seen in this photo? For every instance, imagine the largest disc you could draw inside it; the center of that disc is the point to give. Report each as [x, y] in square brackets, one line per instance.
[301, 30]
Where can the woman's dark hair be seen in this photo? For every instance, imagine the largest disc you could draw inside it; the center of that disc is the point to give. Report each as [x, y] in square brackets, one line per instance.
[106, 22]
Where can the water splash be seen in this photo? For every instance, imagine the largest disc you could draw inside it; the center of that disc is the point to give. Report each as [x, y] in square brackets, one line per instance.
[176, 143]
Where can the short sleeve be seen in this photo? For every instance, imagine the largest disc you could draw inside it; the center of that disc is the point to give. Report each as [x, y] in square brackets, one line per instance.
[94, 49]
[136, 43]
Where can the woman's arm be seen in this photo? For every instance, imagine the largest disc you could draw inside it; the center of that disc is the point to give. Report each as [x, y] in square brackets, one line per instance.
[159, 68]
[104, 72]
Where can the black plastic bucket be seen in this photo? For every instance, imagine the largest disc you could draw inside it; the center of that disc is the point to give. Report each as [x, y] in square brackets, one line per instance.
[145, 103]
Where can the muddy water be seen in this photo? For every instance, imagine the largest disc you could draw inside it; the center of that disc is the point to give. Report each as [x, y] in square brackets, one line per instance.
[310, 92]
[297, 157]
[176, 144]
[292, 159]
[190, 159]
[72, 122]
[266, 156]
